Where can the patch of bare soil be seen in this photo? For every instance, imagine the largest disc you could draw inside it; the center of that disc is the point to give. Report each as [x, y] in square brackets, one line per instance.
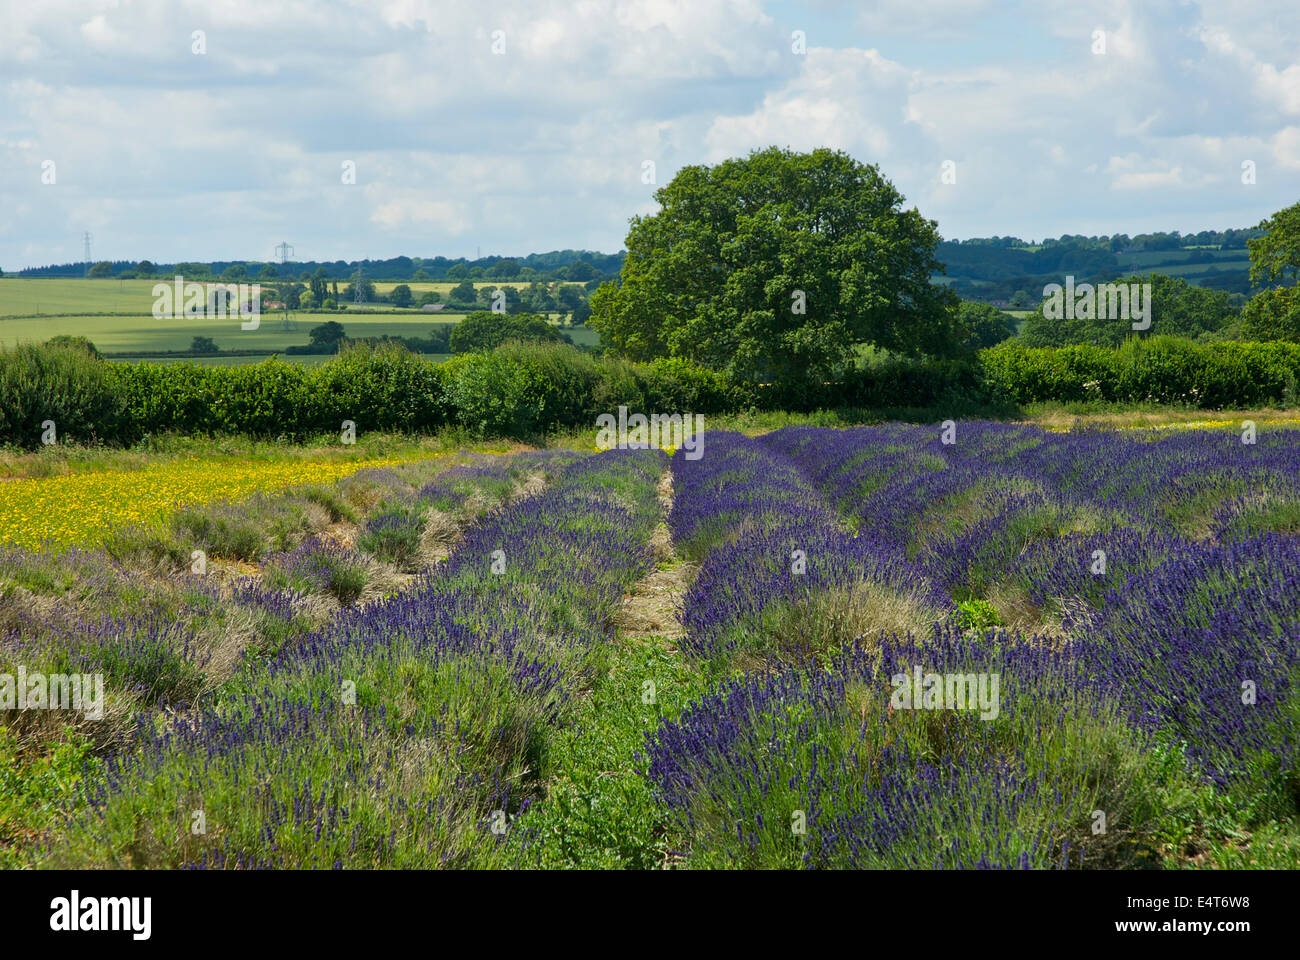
[650, 608]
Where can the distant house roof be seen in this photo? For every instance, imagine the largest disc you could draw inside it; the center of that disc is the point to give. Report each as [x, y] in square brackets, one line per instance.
[430, 307]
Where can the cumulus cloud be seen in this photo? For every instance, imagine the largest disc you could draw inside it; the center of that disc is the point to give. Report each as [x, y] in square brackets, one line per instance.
[168, 153]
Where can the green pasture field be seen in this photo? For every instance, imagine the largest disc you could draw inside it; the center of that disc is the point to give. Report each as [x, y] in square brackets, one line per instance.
[143, 333]
[20, 296]
[303, 359]
[1194, 273]
[1185, 270]
[77, 296]
[443, 287]
[1145, 258]
[115, 334]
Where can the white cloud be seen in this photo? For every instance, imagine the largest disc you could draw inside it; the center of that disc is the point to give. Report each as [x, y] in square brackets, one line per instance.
[167, 154]
[1148, 179]
[853, 100]
[414, 211]
[1286, 148]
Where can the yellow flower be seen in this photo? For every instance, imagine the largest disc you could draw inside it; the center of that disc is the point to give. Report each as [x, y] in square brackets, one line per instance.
[81, 508]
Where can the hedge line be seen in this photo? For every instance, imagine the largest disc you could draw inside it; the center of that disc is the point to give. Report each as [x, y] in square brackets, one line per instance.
[517, 391]
[1159, 370]
[523, 390]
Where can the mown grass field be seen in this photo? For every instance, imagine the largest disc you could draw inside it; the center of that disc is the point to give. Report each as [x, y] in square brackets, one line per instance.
[117, 317]
[434, 653]
[305, 360]
[121, 334]
[57, 296]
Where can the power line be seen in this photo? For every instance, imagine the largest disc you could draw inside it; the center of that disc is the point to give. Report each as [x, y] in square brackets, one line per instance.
[284, 250]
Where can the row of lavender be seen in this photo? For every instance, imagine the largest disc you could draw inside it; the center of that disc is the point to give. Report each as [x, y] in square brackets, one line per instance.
[408, 731]
[1167, 565]
[161, 642]
[1175, 552]
[771, 547]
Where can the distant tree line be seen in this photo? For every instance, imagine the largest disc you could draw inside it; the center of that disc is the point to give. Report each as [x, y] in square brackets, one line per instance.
[577, 266]
[1003, 268]
[480, 332]
[318, 293]
[1121, 242]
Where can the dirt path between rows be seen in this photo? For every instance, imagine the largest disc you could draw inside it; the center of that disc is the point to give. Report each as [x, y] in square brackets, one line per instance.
[650, 607]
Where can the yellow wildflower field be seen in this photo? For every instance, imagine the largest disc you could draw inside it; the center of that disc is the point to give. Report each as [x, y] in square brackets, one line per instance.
[80, 508]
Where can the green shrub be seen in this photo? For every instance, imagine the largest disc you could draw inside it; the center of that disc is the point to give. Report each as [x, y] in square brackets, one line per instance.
[393, 536]
[380, 388]
[492, 395]
[157, 398]
[347, 581]
[675, 385]
[482, 331]
[567, 387]
[220, 530]
[60, 383]
[523, 389]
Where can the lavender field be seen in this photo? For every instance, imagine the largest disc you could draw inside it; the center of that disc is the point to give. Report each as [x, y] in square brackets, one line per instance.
[1137, 595]
[961, 646]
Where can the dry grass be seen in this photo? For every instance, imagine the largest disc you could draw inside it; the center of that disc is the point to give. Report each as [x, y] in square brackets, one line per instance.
[650, 608]
[830, 621]
[1055, 418]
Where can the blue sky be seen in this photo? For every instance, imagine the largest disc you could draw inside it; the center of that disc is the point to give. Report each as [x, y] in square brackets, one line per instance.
[166, 153]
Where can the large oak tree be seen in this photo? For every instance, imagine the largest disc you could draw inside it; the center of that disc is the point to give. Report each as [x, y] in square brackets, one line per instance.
[1274, 313]
[719, 274]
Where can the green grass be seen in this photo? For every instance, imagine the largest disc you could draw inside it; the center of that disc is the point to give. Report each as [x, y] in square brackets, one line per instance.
[306, 360]
[116, 316]
[1197, 269]
[144, 333]
[597, 811]
[35, 786]
[21, 296]
[1147, 258]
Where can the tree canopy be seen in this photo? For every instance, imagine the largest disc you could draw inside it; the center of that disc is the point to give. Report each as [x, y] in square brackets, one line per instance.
[463, 292]
[483, 331]
[1274, 314]
[776, 266]
[987, 324]
[73, 343]
[327, 336]
[1275, 256]
[1177, 308]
